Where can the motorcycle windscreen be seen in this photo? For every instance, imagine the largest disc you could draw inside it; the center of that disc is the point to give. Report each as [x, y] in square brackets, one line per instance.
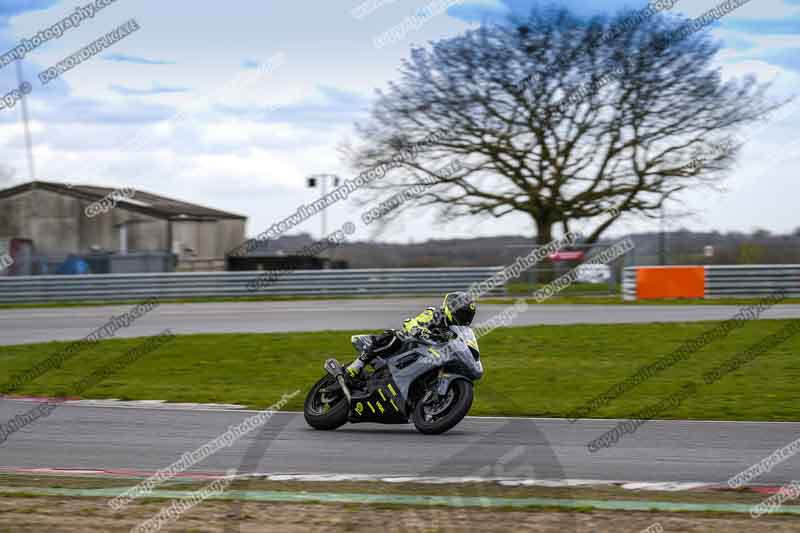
[467, 335]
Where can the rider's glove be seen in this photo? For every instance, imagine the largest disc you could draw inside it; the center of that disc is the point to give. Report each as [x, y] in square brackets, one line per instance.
[423, 333]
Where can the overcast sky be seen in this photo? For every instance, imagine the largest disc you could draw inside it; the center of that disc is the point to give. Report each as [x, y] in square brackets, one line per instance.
[245, 137]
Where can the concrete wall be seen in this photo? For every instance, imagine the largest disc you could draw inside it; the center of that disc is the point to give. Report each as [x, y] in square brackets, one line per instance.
[145, 233]
[58, 225]
[208, 239]
[231, 235]
[15, 216]
[201, 237]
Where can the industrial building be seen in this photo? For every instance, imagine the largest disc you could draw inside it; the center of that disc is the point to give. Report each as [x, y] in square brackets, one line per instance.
[44, 223]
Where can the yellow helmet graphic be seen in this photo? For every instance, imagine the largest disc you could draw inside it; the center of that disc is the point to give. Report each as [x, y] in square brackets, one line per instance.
[458, 308]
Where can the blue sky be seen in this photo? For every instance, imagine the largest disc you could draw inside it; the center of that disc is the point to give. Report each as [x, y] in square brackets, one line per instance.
[217, 130]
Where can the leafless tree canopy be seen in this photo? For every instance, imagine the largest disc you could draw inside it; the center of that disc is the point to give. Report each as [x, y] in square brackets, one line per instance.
[562, 119]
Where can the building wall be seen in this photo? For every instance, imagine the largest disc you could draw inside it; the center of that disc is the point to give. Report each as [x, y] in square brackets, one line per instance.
[200, 236]
[58, 225]
[208, 238]
[48, 219]
[231, 235]
[15, 216]
[145, 233]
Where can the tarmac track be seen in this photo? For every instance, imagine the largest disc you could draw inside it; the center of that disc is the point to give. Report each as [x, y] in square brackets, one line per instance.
[144, 439]
[19, 326]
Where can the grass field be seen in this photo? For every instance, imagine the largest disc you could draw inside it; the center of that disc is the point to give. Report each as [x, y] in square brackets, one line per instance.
[531, 371]
[587, 289]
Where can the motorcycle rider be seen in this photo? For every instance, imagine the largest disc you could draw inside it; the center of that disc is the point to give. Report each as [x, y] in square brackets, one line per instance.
[457, 309]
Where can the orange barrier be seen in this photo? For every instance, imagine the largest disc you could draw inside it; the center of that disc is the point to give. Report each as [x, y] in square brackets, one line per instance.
[670, 282]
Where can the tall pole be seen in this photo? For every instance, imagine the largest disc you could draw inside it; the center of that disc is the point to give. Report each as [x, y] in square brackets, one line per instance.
[662, 239]
[25, 119]
[324, 179]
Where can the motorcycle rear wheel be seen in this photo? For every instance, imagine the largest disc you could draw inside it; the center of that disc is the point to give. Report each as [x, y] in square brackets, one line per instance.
[457, 408]
[317, 415]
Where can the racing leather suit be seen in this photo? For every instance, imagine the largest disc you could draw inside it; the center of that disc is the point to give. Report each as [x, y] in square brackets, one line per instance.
[428, 322]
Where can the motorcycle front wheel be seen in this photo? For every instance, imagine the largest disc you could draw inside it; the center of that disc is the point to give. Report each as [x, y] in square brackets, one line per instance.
[325, 406]
[437, 416]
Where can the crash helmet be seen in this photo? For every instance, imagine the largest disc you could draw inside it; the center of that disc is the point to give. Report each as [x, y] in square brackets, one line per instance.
[458, 309]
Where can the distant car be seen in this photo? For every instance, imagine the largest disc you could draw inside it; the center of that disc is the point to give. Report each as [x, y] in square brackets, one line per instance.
[593, 273]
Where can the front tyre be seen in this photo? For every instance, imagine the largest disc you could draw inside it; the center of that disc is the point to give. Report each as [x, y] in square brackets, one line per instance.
[437, 416]
[325, 406]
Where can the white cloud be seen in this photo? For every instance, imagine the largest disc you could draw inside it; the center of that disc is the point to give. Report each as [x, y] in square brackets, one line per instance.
[256, 164]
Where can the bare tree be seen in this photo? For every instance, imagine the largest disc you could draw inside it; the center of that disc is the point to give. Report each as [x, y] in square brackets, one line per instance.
[562, 119]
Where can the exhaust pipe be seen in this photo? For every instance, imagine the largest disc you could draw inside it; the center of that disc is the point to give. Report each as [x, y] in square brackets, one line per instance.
[345, 389]
[335, 369]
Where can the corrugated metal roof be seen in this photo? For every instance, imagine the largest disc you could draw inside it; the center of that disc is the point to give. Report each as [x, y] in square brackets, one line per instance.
[142, 201]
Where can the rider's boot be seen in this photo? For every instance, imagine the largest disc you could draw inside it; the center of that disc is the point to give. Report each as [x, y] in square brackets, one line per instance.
[381, 345]
[354, 369]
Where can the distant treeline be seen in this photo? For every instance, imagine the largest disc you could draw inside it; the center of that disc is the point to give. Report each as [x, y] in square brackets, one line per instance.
[683, 247]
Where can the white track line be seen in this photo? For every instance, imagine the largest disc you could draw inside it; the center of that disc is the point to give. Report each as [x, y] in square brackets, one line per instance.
[163, 405]
[664, 486]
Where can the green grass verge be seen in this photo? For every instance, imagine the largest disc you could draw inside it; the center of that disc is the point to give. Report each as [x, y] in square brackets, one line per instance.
[575, 289]
[530, 371]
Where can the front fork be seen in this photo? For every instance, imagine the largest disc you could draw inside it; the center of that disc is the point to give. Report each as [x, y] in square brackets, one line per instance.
[333, 368]
[436, 392]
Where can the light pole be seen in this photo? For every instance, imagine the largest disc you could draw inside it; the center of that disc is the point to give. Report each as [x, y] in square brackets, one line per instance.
[25, 120]
[662, 238]
[322, 180]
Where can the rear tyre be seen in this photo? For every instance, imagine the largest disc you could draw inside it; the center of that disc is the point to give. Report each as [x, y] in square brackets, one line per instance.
[323, 409]
[435, 418]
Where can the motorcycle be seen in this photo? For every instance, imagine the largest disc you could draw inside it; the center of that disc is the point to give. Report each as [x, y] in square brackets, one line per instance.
[427, 381]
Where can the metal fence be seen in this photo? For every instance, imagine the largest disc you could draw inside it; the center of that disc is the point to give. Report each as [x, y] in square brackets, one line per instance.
[726, 281]
[752, 280]
[352, 282]
[629, 283]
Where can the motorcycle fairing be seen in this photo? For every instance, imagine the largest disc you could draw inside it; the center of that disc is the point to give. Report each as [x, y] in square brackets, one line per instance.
[382, 404]
[386, 400]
